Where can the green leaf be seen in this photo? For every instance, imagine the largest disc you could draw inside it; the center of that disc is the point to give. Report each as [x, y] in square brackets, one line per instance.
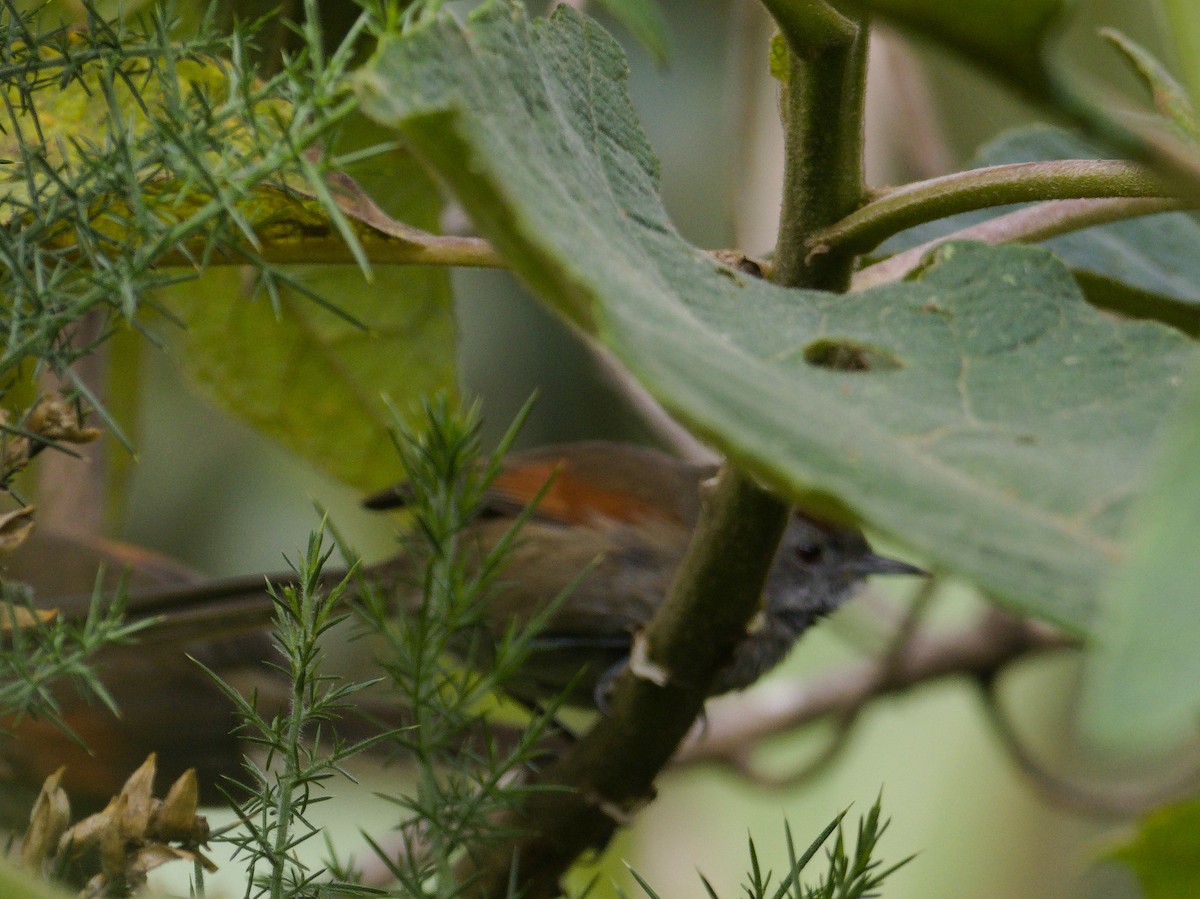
[983, 413]
[57, 128]
[317, 379]
[1143, 685]
[644, 20]
[1165, 853]
[281, 208]
[1148, 267]
[1005, 35]
[1170, 99]
[1183, 21]
[313, 380]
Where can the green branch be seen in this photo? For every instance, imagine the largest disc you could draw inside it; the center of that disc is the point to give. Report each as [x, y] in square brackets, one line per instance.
[811, 26]
[1001, 185]
[330, 248]
[823, 168]
[609, 773]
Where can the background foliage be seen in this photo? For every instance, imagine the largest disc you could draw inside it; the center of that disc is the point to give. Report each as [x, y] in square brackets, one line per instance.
[1050, 467]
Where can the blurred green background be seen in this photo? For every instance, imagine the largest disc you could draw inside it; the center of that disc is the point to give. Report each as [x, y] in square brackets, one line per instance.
[208, 490]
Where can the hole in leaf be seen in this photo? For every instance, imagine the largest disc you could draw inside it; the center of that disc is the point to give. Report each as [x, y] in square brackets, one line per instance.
[849, 355]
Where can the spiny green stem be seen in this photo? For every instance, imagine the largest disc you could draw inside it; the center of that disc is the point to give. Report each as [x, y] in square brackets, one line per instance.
[297, 717]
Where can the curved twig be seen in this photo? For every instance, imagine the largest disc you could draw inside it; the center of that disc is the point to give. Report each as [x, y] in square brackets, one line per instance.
[1030, 225]
[776, 707]
[745, 765]
[674, 435]
[886, 668]
[1117, 801]
[906, 629]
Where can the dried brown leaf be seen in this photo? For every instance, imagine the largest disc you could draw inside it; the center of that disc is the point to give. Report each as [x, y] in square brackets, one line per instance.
[175, 818]
[55, 419]
[20, 618]
[47, 822]
[15, 528]
[132, 835]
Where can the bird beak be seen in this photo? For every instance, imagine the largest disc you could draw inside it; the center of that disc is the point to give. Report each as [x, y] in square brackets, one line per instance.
[873, 564]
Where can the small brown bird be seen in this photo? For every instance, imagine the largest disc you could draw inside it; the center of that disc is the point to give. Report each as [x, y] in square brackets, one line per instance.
[620, 515]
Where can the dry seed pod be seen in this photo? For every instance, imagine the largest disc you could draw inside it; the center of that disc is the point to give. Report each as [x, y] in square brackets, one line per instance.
[47, 822]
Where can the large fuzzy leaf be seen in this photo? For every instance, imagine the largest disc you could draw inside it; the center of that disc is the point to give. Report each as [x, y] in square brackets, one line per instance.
[1143, 686]
[982, 413]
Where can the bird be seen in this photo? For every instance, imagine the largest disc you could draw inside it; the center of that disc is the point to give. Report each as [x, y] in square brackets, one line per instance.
[611, 524]
[167, 704]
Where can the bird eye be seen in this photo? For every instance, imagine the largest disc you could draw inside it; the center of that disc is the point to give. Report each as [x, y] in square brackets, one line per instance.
[809, 553]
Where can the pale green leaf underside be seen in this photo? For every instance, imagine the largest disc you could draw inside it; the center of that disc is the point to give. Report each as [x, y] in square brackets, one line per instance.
[320, 383]
[1143, 685]
[1003, 425]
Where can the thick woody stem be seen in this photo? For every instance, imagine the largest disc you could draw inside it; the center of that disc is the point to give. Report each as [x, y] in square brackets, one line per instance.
[608, 775]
